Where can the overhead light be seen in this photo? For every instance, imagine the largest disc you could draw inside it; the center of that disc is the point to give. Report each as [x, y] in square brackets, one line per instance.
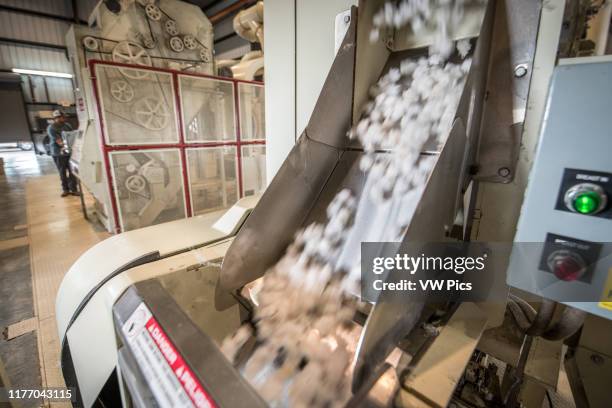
[41, 73]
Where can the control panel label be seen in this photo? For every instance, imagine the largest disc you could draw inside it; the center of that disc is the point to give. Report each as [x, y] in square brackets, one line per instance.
[171, 380]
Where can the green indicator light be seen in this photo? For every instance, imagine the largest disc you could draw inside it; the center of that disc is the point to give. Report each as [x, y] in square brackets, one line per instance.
[587, 202]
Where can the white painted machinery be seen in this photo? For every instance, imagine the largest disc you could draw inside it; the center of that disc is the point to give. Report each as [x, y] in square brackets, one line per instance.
[143, 83]
[248, 24]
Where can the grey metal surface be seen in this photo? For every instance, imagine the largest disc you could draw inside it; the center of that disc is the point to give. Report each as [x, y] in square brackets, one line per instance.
[576, 135]
[514, 37]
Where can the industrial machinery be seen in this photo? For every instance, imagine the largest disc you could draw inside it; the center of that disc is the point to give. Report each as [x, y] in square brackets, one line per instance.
[248, 24]
[84, 301]
[164, 346]
[143, 83]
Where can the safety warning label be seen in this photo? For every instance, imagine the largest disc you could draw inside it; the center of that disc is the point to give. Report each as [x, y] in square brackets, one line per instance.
[170, 379]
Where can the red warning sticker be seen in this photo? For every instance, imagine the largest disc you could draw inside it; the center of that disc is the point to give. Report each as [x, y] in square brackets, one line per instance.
[170, 379]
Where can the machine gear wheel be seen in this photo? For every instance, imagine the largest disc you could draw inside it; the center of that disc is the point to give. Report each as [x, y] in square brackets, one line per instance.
[122, 91]
[135, 183]
[131, 53]
[153, 12]
[90, 43]
[151, 113]
[204, 55]
[190, 42]
[171, 28]
[176, 44]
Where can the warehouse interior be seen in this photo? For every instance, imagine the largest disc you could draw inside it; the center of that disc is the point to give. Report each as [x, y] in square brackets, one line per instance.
[207, 203]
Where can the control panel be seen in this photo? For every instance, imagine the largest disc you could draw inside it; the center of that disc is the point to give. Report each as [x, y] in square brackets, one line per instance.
[563, 244]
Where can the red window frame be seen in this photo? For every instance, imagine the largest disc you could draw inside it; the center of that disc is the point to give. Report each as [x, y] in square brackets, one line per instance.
[182, 145]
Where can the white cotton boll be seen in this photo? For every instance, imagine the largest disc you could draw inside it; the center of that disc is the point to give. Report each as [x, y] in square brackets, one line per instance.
[324, 250]
[386, 186]
[378, 19]
[464, 47]
[407, 67]
[435, 59]
[344, 217]
[394, 74]
[232, 345]
[417, 24]
[397, 111]
[378, 169]
[257, 362]
[272, 388]
[338, 362]
[405, 11]
[402, 185]
[398, 21]
[377, 194]
[380, 100]
[388, 13]
[325, 325]
[365, 163]
[392, 173]
[306, 385]
[362, 127]
[376, 115]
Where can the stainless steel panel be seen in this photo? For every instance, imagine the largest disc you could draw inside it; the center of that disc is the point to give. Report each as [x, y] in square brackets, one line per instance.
[515, 30]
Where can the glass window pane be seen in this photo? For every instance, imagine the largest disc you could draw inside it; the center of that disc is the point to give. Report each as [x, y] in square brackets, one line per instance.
[253, 169]
[148, 187]
[252, 111]
[212, 178]
[137, 105]
[208, 109]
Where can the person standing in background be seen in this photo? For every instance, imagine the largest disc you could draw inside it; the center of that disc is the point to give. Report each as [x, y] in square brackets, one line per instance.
[61, 153]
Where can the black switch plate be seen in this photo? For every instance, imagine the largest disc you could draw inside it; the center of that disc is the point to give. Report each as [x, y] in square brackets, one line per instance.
[571, 177]
[588, 251]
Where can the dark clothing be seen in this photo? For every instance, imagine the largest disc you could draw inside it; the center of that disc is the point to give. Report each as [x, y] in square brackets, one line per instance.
[61, 157]
[69, 183]
[55, 132]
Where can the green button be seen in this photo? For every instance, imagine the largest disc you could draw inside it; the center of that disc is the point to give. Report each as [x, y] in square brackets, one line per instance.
[587, 202]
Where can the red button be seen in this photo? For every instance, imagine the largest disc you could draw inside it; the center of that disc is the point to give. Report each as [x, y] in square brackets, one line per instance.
[567, 268]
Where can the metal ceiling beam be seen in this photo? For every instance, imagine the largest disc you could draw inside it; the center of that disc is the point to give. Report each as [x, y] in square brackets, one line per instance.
[32, 43]
[41, 14]
[229, 10]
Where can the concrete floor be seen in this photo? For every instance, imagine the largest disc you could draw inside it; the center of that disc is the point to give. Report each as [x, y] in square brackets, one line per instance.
[41, 235]
[20, 354]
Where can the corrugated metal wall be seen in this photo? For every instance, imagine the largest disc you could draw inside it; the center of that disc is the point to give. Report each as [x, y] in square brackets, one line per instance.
[19, 26]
